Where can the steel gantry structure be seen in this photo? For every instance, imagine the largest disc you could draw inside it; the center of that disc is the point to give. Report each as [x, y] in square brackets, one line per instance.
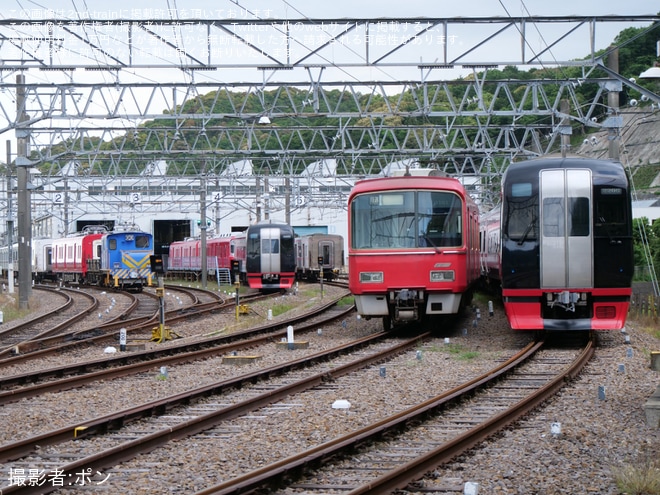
[162, 103]
[116, 95]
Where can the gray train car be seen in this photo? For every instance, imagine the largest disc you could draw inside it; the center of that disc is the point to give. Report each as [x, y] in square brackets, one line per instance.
[326, 248]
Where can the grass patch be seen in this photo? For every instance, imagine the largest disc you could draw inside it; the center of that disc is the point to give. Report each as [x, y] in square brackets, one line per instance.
[279, 309]
[10, 309]
[643, 176]
[346, 301]
[638, 478]
[461, 353]
[309, 293]
[646, 323]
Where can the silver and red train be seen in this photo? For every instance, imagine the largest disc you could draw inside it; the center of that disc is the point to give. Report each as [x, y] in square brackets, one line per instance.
[263, 256]
[270, 256]
[413, 247]
[560, 246]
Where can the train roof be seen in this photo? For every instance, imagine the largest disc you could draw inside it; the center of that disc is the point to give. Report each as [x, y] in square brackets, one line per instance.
[124, 232]
[436, 183]
[601, 167]
[408, 182]
[267, 225]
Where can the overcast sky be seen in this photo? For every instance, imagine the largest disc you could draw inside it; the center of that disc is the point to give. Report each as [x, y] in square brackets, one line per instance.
[355, 8]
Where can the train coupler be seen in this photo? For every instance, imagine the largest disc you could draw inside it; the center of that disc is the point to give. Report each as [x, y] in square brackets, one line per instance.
[566, 300]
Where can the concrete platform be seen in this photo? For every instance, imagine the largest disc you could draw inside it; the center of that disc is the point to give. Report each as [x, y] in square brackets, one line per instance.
[297, 344]
[655, 360]
[136, 346]
[652, 409]
[240, 359]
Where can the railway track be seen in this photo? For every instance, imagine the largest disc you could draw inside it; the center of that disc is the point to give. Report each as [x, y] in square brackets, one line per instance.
[128, 437]
[138, 318]
[208, 416]
[77, 305]
[394, 453]
[32, 384]
[99, 426]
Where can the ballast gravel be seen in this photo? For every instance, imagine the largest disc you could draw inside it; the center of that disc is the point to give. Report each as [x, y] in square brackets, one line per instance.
[600, 414]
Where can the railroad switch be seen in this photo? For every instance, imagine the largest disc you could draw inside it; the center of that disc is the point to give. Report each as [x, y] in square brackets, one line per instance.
[243, 309]
[162, 333]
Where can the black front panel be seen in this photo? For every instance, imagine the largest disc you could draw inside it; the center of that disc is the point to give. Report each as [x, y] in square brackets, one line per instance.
[520, 230]
[288, 259]
[613, 244]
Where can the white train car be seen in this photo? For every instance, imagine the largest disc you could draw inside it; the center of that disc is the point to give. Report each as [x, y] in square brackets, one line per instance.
[41, 264]
[42, 260]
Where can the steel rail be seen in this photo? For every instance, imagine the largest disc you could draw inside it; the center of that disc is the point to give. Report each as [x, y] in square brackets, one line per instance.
[59, 343]
[400, 477]
[149, 359]
[119, 419]
[273, 474]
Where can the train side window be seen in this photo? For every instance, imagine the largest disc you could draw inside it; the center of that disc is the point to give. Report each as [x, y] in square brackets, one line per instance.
[112, 244]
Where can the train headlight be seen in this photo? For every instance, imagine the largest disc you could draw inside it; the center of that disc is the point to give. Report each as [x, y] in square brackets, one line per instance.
[442, 276]
[371, 277]
[133, 274]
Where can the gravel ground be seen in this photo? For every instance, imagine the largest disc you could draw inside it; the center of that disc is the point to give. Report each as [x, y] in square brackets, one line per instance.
[597, 434]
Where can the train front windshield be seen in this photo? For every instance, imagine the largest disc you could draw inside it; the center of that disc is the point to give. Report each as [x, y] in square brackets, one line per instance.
[406, 219]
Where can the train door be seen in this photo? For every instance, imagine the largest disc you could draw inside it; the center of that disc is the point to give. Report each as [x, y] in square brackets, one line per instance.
[270, 250]
[566, 236]
[49, 258]
[326, 251]
[99, 261]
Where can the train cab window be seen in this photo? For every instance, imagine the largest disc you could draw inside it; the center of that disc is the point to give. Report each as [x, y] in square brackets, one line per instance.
[578, 217]
[383, 220]
[406, 219]
[610, 212]
[521, 215]
[142, 241]
[553, 217]
[440, 219]
[112, 244]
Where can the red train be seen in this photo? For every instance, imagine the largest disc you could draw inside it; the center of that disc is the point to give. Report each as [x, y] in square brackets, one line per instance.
[221, 253]
[564, 241]
[413, 248]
